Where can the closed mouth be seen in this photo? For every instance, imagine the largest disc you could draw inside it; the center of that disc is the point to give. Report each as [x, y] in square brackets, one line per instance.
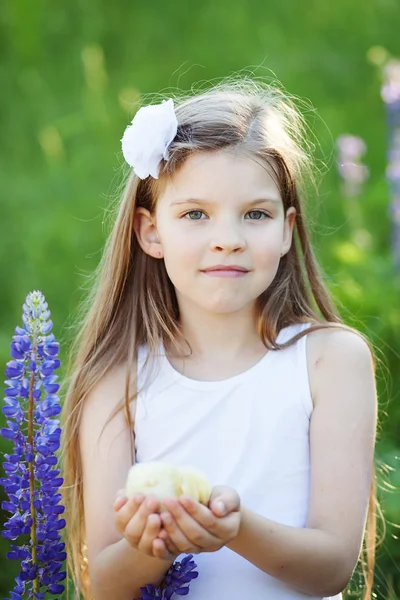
[227, 268]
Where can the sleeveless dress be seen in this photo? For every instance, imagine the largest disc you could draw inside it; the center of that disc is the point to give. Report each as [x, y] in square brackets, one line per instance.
[251, 432]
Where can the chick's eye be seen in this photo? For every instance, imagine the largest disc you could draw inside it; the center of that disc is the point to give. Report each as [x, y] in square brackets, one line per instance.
[259, 215]
[197, 215]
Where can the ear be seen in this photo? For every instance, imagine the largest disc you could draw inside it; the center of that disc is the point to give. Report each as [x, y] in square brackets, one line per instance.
[146, 233]
[288, 229]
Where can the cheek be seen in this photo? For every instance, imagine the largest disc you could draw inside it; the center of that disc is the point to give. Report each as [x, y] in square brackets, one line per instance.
[182, 257]
[180, 244]
[267, 247]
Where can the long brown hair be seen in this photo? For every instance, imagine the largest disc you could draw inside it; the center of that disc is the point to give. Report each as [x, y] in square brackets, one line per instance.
[132, 301]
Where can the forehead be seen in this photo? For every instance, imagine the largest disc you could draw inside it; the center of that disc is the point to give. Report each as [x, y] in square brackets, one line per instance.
[220, 175]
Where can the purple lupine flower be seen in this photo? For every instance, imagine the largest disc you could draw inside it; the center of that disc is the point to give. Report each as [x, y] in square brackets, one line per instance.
[390, 93]
[176, 581]
[32, 479]
[352, 172]
[395, 214]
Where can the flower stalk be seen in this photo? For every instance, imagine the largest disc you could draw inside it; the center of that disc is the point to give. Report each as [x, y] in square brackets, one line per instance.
[36, 585]
[176, 581]
[352, 171]
[31, 475]
[390, 93]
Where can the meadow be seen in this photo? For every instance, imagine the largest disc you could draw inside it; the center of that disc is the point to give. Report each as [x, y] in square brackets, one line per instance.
[72, 76]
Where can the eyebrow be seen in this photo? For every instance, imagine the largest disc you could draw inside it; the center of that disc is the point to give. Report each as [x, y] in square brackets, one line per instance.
[200, 201]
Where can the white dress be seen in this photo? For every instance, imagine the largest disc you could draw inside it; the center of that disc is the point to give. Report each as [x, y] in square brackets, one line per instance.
[251, 432]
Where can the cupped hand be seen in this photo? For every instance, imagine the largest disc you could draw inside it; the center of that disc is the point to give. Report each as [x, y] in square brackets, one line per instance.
[138, 521]
[191, 527]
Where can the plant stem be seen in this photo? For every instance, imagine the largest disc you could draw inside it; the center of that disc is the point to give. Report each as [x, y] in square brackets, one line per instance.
[36, 585]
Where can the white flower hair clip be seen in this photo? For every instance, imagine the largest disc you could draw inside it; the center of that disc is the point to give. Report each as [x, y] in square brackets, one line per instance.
[145, 142]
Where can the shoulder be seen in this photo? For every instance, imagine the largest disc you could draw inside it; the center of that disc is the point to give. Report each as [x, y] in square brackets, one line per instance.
[105, 398]
[112, 379]
[336, 353]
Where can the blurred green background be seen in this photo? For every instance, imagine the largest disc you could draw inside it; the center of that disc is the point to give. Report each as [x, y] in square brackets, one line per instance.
[70, 75]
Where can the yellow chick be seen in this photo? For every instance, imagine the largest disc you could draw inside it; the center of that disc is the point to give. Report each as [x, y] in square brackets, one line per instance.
[163, 480]
[194, 483]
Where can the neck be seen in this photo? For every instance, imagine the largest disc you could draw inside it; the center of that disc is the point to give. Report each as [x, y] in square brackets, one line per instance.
[215, 335]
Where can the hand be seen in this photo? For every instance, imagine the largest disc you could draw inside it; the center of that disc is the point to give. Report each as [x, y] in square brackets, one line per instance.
[137, 520]
[192, 528]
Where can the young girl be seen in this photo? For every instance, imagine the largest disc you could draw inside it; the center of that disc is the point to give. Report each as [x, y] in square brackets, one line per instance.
[211, 337]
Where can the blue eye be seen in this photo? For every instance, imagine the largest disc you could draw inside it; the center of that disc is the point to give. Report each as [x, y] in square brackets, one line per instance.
[259, 212]
[196, 212]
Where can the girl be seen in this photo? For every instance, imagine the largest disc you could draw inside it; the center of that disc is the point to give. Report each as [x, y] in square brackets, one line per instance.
[210, 336]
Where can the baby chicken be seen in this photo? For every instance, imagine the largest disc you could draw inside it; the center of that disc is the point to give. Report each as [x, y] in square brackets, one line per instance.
[163, 480]
[194, 483]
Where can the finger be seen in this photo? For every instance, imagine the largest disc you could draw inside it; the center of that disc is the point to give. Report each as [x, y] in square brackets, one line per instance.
[150, 532]
[202, 514]
[134, 527]
[170, 546]
[172, 549]
[219, 528]
[127, 511]
[161, 550]
[164, 535]
[120, 494]
[219, 508]
[119, 502]
[180, 522]
[176, 535]
[224, 500]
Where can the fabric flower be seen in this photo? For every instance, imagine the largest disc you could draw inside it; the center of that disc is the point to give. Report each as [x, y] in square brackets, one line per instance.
[145, 142]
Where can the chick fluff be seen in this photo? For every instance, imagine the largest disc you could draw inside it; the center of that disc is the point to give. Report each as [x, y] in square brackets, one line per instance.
[163, 480]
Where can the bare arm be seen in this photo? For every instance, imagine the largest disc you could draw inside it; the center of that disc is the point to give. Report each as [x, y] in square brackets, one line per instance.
[120, 571]
[310, 560]
[320, 558]
[117, 570]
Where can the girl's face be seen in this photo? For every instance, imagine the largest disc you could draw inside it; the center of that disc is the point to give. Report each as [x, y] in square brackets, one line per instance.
[219, 209]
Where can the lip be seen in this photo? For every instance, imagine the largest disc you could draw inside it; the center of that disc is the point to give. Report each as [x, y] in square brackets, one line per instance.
[226, 268]
[231, 271]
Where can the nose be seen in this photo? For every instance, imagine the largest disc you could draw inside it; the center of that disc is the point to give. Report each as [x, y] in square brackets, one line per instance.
[227, 237]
